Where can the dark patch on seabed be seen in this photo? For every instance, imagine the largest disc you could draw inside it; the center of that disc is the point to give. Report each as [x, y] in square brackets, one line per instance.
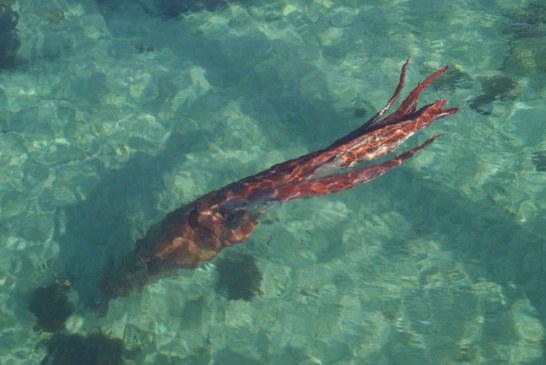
[170, 9]
[499, 87]
[9, 40]
[173, 8]
[238, 276]
[51, 306]
[95, 349]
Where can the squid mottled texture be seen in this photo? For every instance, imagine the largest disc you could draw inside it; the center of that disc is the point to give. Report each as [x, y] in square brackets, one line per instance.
[198, 231]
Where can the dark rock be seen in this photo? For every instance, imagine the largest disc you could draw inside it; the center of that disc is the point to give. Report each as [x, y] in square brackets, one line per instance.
[238, 276]
[51, 307]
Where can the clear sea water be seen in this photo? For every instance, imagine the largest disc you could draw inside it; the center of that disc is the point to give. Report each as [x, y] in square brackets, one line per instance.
[117, 115]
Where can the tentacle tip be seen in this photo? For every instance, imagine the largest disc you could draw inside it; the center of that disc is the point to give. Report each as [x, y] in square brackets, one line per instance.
[448, 112]
[427, 143]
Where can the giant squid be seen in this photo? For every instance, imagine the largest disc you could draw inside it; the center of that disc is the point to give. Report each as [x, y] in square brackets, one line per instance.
[196, 232]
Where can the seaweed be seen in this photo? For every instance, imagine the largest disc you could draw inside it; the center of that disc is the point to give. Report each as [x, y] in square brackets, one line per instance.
[95, 349]
[238, 276]
[9, 40]
[51, 306]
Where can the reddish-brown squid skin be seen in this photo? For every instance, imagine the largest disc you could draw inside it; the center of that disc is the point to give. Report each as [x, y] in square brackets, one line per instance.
[198, 231]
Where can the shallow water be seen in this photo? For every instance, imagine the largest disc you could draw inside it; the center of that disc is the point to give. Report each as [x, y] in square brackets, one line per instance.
[118, 114]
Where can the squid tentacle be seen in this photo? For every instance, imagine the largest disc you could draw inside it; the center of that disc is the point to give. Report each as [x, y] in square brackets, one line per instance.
[344, 181]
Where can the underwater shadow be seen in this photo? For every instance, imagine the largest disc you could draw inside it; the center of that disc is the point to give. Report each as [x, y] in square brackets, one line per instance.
[97, 231]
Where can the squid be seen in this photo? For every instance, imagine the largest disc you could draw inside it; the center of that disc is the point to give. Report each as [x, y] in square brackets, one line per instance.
[196, 232]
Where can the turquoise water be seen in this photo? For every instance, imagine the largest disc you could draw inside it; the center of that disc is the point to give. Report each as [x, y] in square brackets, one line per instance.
[116, 115]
